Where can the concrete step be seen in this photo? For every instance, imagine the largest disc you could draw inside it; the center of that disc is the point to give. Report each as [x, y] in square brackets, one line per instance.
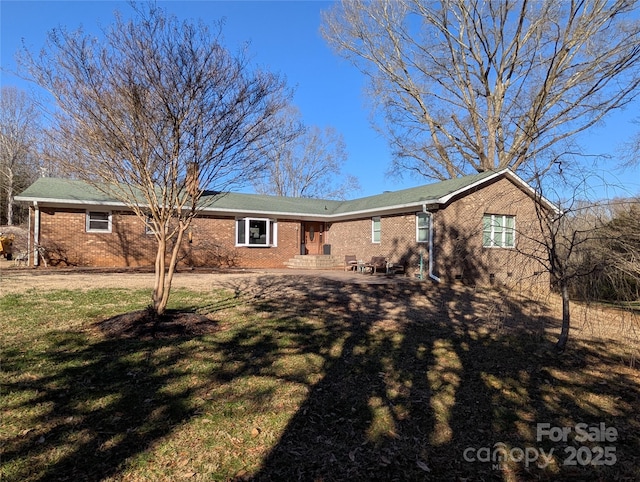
[319, 261]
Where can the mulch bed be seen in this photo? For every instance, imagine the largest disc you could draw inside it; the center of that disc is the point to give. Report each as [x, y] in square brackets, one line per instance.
[146, 325]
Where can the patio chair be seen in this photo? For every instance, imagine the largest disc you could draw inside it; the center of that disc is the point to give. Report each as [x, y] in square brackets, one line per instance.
[395, 268]
[377, 263]
[350, 262]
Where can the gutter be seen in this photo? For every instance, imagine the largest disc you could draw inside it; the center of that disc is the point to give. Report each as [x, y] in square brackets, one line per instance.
[229, 211]
[431, 274]
[67, 202]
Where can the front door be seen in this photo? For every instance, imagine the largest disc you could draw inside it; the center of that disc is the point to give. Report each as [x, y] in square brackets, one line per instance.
[313, 234]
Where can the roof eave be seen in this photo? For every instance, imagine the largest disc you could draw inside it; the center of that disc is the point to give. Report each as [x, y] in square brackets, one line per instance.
[67, 202]
[447, 197]
[395, 209]
[532, 192]
[333, 217]
[514, 178]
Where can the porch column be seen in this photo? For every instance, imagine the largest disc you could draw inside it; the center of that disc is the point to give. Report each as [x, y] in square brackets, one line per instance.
[36, 233]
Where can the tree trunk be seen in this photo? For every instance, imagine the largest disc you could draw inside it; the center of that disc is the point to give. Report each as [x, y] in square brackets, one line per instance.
[566, 318]
[164, 276]
[159, 282]
[10, 209]
[168, 279]
[10, 200]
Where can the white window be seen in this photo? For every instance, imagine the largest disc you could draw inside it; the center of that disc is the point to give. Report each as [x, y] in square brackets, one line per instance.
[498, 231]
[376, 229]
[423, 224]
[148, 225]
[98, 222]
[256, 232]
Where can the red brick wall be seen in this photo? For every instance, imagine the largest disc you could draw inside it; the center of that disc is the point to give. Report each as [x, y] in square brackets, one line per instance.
[457, 237]
[63, 234]
[397, 239]
[213, 244]
[458, 250]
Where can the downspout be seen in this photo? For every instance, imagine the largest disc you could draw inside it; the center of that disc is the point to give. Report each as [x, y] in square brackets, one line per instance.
[36, 234]
[431, 275]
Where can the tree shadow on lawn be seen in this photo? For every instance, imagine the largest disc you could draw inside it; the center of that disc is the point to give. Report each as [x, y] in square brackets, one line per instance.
[107, 402]
[429, 382]
[412, 376]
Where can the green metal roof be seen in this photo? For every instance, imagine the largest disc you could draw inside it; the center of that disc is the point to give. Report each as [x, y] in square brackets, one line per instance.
[276, 204]
[74, 192]
[50, 188]
[429, 193]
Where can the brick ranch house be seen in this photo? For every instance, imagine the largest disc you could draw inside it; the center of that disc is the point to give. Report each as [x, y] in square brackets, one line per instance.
[473, 228]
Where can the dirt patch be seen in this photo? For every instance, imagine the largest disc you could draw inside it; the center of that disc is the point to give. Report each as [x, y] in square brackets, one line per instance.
[21, 280]
[145, 325]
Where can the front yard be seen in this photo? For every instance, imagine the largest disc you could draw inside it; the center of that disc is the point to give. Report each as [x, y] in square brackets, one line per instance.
[307, 378]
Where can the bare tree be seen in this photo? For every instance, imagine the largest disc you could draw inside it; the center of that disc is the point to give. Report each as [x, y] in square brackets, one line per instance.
[309, 166]
[19, 124]
[579, 244]
[629, 150]
[155, 114]
[476, 85]
[562, 243]
[615, 254]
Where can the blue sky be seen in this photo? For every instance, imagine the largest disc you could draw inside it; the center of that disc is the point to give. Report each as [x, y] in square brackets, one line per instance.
[284, 37]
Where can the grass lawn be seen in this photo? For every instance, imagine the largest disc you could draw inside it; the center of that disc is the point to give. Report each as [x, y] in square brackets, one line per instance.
[314, 380]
